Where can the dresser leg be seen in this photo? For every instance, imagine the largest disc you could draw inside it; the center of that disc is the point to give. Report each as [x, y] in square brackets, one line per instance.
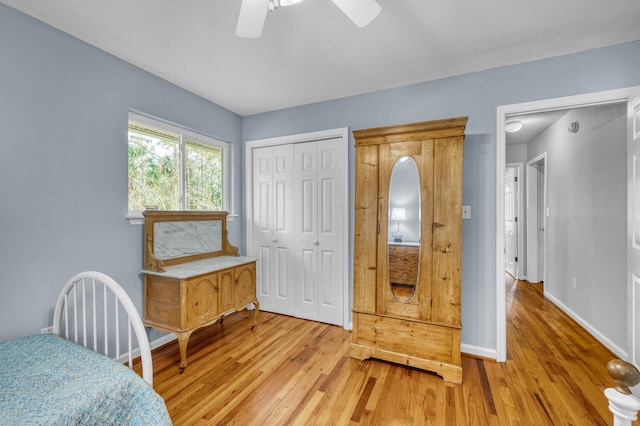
[183, 341]
[256, 303]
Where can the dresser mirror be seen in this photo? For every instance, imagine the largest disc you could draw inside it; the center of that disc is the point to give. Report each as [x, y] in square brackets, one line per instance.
[186, 238]
[404, 229]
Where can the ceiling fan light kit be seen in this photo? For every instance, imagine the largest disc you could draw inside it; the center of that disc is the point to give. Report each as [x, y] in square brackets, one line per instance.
[254, 12]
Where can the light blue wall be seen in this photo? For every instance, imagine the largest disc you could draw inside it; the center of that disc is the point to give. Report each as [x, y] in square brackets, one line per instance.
[63, 165]
[63, 113]
[476, 95]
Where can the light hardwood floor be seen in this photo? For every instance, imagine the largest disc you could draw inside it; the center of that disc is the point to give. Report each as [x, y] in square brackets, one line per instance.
[289, 371]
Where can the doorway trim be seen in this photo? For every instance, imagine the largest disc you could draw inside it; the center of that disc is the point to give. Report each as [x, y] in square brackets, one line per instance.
[520, 203]
[533, 191]
[338, 133]
[503, 112]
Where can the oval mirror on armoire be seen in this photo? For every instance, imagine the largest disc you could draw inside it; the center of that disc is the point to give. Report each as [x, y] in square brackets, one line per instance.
[404, 229]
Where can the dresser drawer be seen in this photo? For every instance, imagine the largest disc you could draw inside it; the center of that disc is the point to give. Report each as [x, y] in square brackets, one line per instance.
[403, 264]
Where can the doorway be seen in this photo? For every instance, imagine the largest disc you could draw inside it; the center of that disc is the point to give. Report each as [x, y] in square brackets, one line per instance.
[513, 221]
[503, 113]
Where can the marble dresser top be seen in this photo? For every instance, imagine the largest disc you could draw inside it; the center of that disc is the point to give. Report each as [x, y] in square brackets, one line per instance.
[201, 267]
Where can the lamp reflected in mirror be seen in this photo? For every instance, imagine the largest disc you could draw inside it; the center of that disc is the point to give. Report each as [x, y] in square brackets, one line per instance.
[398, 214]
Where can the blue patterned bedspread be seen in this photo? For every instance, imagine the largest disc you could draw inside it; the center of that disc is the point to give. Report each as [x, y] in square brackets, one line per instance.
[47, 380]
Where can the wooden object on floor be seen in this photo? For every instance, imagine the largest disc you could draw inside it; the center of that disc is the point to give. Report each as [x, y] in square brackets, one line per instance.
[290, 371]
[423, 329]
[193, 276]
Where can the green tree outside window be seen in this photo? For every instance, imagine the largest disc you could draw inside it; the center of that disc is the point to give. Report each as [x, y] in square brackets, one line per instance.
[155, 172]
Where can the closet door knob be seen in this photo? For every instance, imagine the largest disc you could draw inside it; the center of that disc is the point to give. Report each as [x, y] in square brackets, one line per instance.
[315, 242]
[274, 239]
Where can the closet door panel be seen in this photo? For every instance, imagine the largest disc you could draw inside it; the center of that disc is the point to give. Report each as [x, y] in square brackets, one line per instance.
[263, 276]
[307, 287]
[326, 273]
[283, 276]
[262, 220]
[283, 231]
[306, 229]
[319, 274]
[330, 253]
[283, 239]
[273, 230]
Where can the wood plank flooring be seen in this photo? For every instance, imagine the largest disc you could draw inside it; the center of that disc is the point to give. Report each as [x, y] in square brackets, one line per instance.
[289, 371]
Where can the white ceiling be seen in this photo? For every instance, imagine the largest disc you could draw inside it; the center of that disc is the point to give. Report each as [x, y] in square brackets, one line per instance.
[311, 52]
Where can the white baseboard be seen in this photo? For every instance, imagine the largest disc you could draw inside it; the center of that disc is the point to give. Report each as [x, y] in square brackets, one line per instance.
[153, 345]
[169, 337]
[478, 351]
[594, 332]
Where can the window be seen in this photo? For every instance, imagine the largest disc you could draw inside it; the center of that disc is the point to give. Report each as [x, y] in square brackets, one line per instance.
[174, 169]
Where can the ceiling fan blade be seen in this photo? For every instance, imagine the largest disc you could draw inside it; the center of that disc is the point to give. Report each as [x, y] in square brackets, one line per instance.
[251, 19]
[361, 12]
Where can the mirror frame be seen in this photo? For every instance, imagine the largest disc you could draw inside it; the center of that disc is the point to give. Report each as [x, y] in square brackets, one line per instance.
[152, 217]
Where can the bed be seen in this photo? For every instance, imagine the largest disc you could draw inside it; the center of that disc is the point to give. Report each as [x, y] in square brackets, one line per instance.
[77, 375]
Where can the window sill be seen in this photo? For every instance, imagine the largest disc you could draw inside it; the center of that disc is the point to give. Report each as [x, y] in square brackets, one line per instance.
[135, 217]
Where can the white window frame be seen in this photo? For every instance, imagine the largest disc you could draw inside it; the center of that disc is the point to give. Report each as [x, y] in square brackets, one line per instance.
[135, 217]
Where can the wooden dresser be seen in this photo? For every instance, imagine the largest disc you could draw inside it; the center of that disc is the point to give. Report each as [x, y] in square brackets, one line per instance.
[193, 277]
[403, 263]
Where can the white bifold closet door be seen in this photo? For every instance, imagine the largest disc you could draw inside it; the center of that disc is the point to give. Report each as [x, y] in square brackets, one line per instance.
[297, 231]
[319, 257]
[273, 227]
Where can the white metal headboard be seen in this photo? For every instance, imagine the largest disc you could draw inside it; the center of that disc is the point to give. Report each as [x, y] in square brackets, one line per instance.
[89, 310]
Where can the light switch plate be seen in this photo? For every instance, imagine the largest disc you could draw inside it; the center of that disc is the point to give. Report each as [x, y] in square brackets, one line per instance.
[466, 212]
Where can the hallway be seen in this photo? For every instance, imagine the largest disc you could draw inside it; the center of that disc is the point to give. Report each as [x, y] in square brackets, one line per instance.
[556, 359]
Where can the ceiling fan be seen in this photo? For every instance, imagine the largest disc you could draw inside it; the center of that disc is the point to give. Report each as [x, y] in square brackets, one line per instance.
[254, 12]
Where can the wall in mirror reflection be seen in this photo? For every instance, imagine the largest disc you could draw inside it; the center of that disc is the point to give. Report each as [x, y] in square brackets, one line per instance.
[404, 200]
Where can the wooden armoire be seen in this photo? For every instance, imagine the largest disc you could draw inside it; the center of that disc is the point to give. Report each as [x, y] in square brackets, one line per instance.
[407, 272]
